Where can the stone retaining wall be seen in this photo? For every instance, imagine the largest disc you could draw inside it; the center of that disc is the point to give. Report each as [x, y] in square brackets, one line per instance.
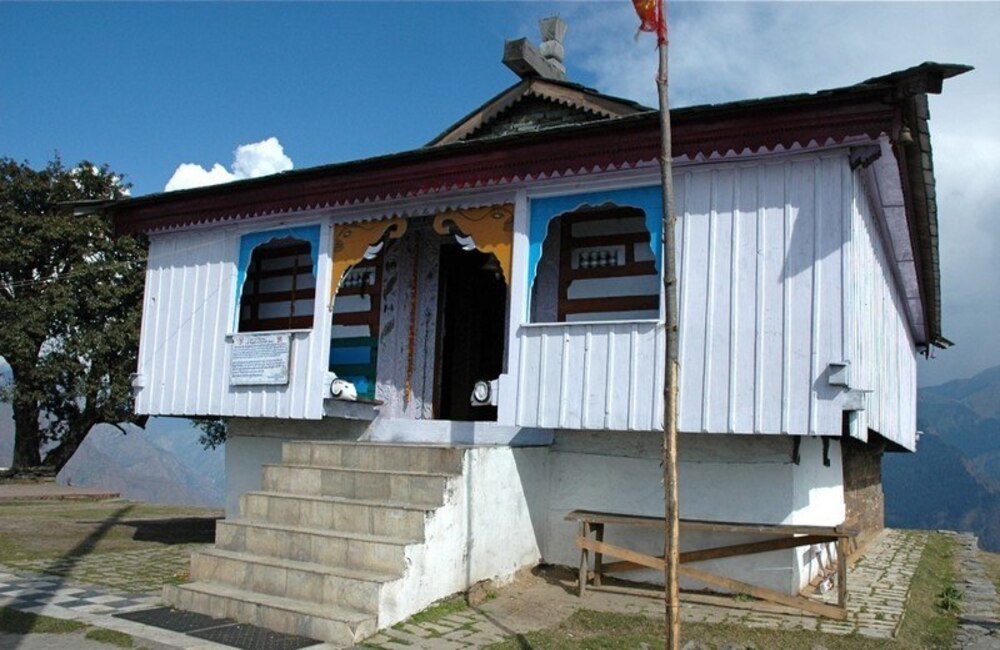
[863, 495]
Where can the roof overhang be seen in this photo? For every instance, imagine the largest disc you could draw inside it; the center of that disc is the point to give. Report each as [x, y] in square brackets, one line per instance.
[877, 107]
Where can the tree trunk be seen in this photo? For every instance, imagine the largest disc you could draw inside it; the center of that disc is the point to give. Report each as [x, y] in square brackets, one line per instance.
[26, 436]
[58, 457]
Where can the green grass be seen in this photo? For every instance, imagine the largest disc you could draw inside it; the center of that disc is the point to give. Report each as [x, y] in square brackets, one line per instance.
[179, 578]
[111, 637]
[15, 622]
[82, 528]
[925, 624]
[440, 610]
[89, 542]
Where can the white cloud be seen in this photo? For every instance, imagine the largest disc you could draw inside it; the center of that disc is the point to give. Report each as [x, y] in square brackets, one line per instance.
[260, 159]
[188, 175]
[249, 161]
[723, 51]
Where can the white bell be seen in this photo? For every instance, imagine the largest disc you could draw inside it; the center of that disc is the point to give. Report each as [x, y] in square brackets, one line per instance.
[345, 390]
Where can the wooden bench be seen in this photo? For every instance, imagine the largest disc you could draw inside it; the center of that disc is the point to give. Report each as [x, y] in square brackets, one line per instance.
[783, 536]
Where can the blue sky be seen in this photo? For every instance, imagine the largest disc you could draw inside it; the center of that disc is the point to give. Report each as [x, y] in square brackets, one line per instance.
[145, 87]
[149, 87]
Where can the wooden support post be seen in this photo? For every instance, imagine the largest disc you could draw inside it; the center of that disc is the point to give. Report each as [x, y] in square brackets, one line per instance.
[671, 533]
[598, 556]
[584, 536]
[842, 572]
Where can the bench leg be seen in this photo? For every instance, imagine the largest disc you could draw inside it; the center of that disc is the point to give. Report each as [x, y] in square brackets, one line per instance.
[598, 557]
[842, 572]
[584, 553]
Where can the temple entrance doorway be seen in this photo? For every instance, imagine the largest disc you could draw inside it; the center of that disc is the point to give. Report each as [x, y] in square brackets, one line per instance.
[472, 302]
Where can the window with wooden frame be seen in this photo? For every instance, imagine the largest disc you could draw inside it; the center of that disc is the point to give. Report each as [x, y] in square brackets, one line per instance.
[600, 266]
[354, 335]
[279, 288]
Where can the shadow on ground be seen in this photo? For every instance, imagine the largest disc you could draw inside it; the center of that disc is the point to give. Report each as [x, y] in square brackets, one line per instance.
[84, 548]
[180, 530]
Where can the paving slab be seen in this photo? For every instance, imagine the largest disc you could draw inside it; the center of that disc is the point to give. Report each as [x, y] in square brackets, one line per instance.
[878, 586]
[979, 625]
[79, 603]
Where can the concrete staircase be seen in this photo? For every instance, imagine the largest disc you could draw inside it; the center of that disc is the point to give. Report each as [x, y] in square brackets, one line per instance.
[323, 550]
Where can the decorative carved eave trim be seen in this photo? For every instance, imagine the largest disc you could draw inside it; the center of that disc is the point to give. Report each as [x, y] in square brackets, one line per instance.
[563, 94]
[491, 228]
[352, 240]
[597, 146]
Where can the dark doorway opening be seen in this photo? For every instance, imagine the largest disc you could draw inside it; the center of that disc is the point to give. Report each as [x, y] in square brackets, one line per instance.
[472, 302]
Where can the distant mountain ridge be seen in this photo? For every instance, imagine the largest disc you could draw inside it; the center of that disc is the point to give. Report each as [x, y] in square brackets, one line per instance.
[163, 463]
[953, 481]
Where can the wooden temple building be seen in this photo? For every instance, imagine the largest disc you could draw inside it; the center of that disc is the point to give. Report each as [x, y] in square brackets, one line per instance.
[495, 299]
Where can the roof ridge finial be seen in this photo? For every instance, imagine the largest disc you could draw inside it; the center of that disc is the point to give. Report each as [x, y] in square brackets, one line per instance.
[530, 62]
[553, 31]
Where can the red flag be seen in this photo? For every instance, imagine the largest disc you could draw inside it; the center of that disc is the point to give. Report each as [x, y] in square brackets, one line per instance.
[652, 18]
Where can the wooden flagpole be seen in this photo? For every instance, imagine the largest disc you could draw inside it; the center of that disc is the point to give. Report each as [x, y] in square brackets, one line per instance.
[671, 533]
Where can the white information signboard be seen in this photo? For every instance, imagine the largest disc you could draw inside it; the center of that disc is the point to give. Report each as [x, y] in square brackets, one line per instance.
[259, 359]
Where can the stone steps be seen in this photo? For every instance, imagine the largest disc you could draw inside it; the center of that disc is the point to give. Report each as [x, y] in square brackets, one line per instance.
[372, 455]
[374, 517]
[322, 546]
[315, 621]
[313, 551]
[356, 589]
[401, 486]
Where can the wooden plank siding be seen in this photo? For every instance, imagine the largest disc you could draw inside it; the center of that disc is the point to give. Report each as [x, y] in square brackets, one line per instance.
[782, 272]
[882, 351]
[762, 263]
[761, 295]
[591, 376]
[189, 308]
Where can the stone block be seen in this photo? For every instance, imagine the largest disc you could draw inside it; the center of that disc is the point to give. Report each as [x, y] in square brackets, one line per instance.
[266, 579]
[303, 480]
[296, 453]
[326, 455]
[337, 483]
[358, 595]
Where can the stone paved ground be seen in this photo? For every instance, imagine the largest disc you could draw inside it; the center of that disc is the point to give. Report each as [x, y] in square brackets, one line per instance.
[878, 585]
[980, 622]
[133, 571]
[52, 596]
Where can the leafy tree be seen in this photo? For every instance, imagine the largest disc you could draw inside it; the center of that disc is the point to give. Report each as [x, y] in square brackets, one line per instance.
[70, 307]
[213, 431]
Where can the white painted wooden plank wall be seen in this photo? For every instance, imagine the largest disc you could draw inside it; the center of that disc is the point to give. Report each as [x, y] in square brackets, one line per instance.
[762, 304]
[591, 376]
[761, 294]
[184, 348]
[883, 354]
[763, 264]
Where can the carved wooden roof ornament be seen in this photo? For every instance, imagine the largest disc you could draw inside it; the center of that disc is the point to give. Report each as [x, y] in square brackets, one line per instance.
[491, 228]
[352, 240]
